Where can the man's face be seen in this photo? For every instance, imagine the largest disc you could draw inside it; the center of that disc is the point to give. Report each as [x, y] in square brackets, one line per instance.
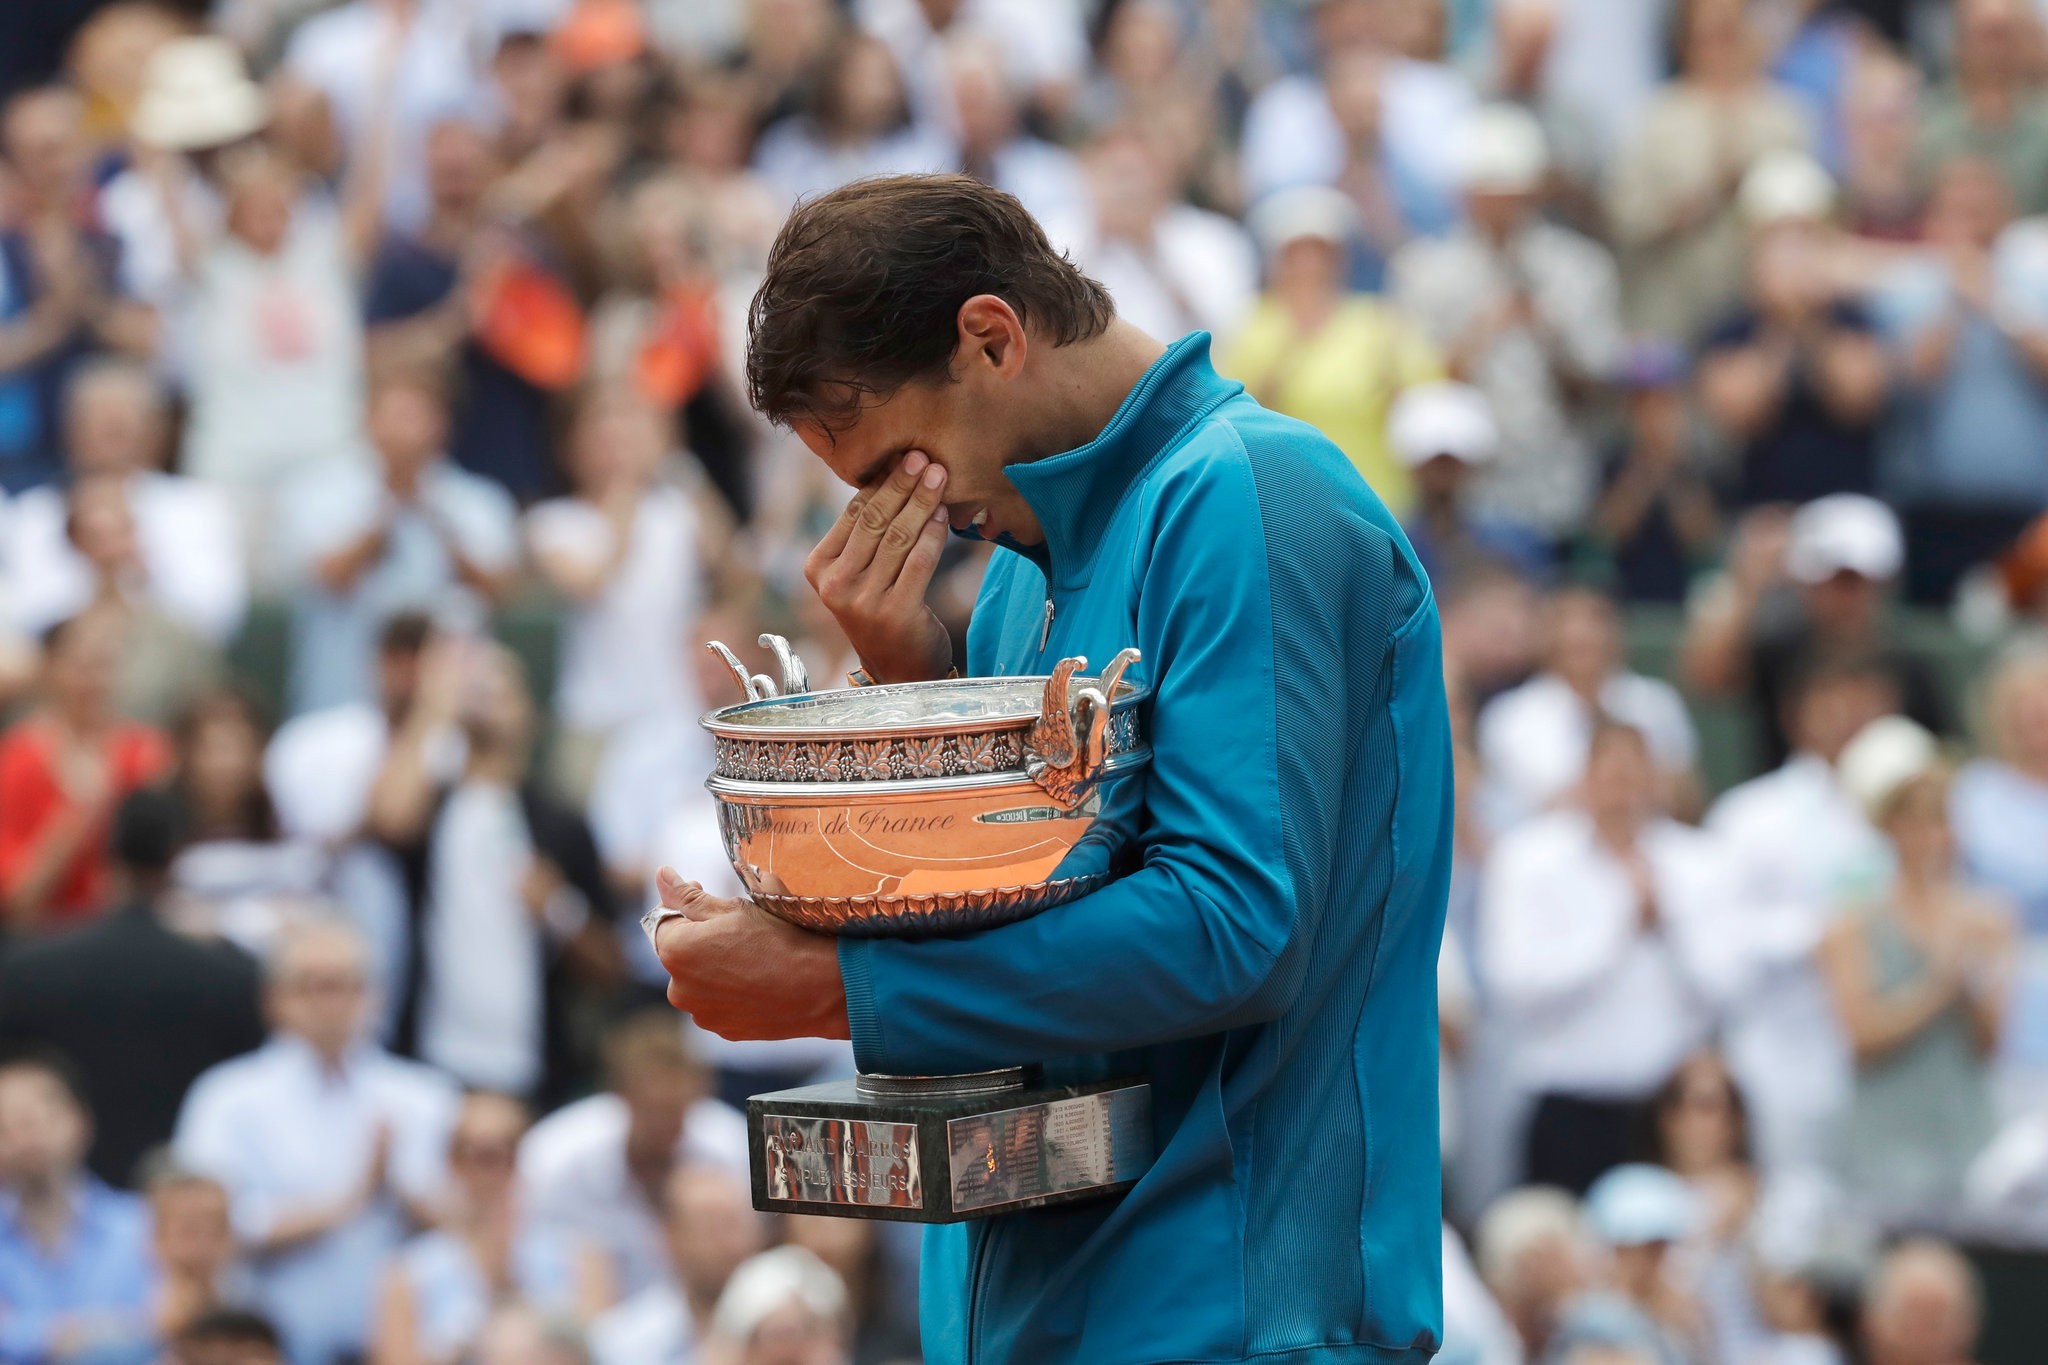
[43, 1130]
[113, 429]
[408, 426]
[1845, 605]
[970, 428]
[712, 1228]
[1922, 1317]
[193, 1236]
[42, 143]
[322, 995]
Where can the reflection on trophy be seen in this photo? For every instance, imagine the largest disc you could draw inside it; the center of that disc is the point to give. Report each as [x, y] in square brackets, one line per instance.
[912, 810]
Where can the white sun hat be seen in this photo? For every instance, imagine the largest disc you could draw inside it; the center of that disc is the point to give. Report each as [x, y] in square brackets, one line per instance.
[1886, 754]
[1785, 186]
[197, 94]
[1845, 533]
[1500, 150]
[1429, 420]
[1300, 211]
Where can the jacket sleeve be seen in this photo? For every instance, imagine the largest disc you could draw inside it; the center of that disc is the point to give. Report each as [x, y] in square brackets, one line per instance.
[1194, 940]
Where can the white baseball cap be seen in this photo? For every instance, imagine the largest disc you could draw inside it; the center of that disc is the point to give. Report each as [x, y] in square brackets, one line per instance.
[1429, 420]
[1785, 186]
[771, 1281]
[1845, 533]
[197, 94]
[1638, 1204]
[1501, 150]
[1885, 755]
[1303, 211]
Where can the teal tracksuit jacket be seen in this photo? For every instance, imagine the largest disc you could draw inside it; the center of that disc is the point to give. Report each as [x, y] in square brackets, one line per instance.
[1267, 959]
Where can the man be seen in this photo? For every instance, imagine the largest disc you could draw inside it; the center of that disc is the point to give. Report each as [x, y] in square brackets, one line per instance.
[1533, 739]
[74, 1255]
[1268, 961]
[330, 1149]
[194, 1243]
[1797, 588]
[1799, 844]
[1445, 435]
[710, 1229]
[596, 1168]
[509, 905]
[414, 534]
[1602, 927]
[140, 1009]
[1923, 1307]
[329, 771]
[189, 561]
[1526, 311]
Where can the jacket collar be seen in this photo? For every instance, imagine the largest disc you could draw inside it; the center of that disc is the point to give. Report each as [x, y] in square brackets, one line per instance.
[1075, 495]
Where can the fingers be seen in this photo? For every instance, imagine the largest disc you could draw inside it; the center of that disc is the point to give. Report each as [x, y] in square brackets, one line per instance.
[922, 562]
[883, 528]
[688, 897]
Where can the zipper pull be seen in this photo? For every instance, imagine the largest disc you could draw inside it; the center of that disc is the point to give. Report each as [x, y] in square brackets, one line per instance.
[1045, 632]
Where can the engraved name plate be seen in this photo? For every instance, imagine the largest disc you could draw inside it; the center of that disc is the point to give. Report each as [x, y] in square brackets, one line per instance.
[1013, 1156]
[842, 1161]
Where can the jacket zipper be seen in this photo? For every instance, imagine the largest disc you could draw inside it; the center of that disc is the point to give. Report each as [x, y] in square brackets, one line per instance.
[977, 1259]
[1045, 631]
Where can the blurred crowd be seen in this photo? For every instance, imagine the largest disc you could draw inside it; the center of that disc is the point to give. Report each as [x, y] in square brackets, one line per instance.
[329, 1032]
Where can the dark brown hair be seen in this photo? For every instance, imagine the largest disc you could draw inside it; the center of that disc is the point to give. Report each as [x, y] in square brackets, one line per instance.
[865, 283]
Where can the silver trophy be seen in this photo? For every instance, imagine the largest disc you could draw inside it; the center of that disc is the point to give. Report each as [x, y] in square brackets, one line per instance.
[913, 810]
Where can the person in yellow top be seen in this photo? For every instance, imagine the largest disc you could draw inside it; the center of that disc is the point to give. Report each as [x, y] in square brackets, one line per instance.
[1315, 349]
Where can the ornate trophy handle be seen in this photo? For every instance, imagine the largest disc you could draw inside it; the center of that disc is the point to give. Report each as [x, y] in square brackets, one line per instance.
[759, 686]
[1070, 745]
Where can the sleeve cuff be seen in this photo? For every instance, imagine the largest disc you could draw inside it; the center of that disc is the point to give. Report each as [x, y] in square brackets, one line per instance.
[863, 1024]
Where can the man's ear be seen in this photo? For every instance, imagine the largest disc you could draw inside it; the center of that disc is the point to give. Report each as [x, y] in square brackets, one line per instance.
[991, 338]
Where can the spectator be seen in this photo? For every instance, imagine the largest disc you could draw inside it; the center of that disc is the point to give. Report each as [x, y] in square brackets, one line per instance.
[74, 1254]
[631, 552]
[237, 876]
[228, 1336]
[1883, 195]
[276, 383]
[510, 908]
[1991, 107]
[58, 277]
[140, 1009]
[416, 534]
[439, 1292]
[1314, 349]
[1999, 803]
[709, 1230]
[1656, 519]
[1534, 739]
[1699, 1130]
[858, 124]
[1602, 938]
[597, 1168]
[1640, 1214]
[1923, 1307]
[1535, 1258]
[1795, 376]
[424, 305]
[1524, 310]
[194, 1246]
[65, 768]
[188, 564]
[852, 1248]
[1524, 39]
[994, 146]
[1796, 839]
[1172, 268]
[329, 1147]
[1969, 327]
[784, 1305]
[1475, 1332]
[1918, 972]
[1445, 435]
[1794, 589]
[329, 772]
[1673, 195]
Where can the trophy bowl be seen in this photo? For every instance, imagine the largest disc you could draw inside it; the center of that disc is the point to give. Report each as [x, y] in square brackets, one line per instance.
[922, 808]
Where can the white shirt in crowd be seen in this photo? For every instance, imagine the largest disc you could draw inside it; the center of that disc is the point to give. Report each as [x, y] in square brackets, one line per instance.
[276, 375]
[281, 1133]
[335, 634]
[1533, 738]
[1201, 274]
[1476, 1332]
[186, 535]
[1800, 849]
[318, 770]
[622, 650]
[572, 1169]
[1602, 1008]
[482, 954]
[1292, 137]
[652, 1327]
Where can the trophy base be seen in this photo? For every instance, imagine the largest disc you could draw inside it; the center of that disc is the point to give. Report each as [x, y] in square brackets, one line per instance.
[945, 1149]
